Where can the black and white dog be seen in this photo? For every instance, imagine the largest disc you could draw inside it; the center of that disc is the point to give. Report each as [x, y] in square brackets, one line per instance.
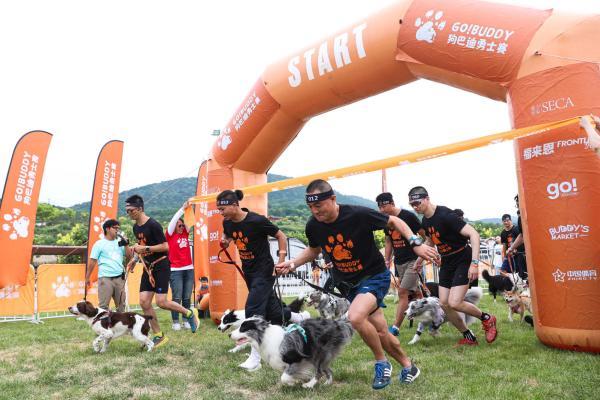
[233, 318]
[497, 284]
[303, 352]
[328, 305]
[429, 313]
[110, 325]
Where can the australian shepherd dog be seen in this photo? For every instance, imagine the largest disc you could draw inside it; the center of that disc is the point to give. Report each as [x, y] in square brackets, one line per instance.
[302, 352]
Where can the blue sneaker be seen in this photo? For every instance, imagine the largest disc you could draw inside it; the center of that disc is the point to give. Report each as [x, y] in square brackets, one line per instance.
[383, 374]
[394, 330]
[409, 374]
[193, 320]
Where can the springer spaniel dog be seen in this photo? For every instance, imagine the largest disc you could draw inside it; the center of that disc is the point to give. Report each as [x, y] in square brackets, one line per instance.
[109, 325]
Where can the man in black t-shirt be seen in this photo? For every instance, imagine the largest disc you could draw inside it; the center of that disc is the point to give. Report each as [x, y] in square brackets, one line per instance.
[345, 233]
[459, 265]
[152, 250]
[250, 232]
[404, 257]
[517, 248]
[512, 264]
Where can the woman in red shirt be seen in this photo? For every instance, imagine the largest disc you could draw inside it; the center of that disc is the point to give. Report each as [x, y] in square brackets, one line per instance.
[182, 268]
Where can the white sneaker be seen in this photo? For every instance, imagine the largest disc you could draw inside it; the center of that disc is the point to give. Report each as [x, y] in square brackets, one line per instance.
[186, 325]
[253, 361]
[176, 326]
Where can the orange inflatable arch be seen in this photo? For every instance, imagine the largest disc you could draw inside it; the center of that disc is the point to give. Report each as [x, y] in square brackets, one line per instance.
[542, 63]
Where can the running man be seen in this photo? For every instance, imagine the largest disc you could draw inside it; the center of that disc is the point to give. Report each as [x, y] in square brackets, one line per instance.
[152, 249]
[345, 233]
[250, 233]
[459, 265]
[403, 254]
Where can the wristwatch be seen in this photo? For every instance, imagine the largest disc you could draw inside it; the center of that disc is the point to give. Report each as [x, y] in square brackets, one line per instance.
[147, 249]
[476, 262]
[415, 240]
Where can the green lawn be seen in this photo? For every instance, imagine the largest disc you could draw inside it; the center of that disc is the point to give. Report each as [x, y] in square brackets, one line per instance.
[55, 361]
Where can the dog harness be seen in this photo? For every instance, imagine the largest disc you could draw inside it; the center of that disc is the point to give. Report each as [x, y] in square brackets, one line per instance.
[149, 268]
[295, 327]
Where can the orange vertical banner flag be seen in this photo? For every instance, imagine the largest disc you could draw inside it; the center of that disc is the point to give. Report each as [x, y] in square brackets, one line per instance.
[19, 206]
[105, 195]
[201, 225]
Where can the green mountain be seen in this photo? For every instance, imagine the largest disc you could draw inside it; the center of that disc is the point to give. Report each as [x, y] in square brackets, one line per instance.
[162, 199]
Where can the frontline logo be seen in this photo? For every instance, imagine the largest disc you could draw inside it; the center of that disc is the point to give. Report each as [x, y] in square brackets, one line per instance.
[562, 189]
[569, 232]
[550, 148]
[574, 275]
[561, 103]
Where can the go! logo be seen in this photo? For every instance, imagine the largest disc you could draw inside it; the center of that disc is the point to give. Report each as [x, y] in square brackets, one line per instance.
[561, 189]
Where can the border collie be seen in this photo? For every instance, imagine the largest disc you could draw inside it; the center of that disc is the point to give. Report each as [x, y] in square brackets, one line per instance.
[110, 325]
[234, 318]
[328, 305]
[497, 284]
[429, 313]
[303, 352]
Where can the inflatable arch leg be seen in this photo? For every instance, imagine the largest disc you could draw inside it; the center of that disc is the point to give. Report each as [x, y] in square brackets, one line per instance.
[225, 295]
[559, 198]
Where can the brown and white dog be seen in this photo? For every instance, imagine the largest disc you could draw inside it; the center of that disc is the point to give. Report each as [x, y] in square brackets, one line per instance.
[110, 325]
[517, 303]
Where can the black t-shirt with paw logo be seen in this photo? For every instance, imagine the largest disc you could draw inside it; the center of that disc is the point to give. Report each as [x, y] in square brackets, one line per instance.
[349, 242]
[444, 227]
[251, 237]
[150, 234]
[403, 251]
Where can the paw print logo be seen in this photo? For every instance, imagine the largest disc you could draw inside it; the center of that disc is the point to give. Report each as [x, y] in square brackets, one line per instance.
[428, 25]
[9, 292]
[338, 246]
[62, 287]
[201, 230]
[98, 222]
[16, 224]
[240, 240]
[435, 235]
[225, 140]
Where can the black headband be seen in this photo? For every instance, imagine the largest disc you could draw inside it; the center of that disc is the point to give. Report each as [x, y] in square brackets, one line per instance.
[135, 203]
[384, 202]
[316, 197]
[417, 196]
[226, 202]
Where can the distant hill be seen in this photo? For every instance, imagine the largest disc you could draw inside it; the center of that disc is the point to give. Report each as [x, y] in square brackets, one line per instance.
[164, 198]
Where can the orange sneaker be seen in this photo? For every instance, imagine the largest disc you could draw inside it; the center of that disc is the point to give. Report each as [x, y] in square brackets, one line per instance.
[466, 342]
[489, 327]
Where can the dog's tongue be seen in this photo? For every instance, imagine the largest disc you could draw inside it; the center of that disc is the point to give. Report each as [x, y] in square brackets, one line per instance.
[241, 341]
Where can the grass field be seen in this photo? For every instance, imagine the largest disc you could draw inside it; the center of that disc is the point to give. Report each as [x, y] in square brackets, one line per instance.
[55, 361]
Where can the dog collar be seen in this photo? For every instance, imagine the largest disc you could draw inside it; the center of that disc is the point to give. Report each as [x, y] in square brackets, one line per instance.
[295, 327]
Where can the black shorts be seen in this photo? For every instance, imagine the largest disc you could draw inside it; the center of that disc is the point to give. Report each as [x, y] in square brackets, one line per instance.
[455, 269]
[162, 274]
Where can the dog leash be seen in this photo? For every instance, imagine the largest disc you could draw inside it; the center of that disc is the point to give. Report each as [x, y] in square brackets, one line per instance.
[231, 261]
[423, 286]
[316, 287]
[149, 268]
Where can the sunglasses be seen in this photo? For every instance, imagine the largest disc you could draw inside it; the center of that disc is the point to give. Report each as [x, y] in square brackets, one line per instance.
[415, 203]
[181, 226]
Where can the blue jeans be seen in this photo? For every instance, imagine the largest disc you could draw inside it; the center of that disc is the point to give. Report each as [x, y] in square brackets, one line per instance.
[181, 289]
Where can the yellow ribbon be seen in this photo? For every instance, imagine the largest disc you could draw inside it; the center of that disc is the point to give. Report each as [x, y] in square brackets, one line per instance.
[395, 161]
